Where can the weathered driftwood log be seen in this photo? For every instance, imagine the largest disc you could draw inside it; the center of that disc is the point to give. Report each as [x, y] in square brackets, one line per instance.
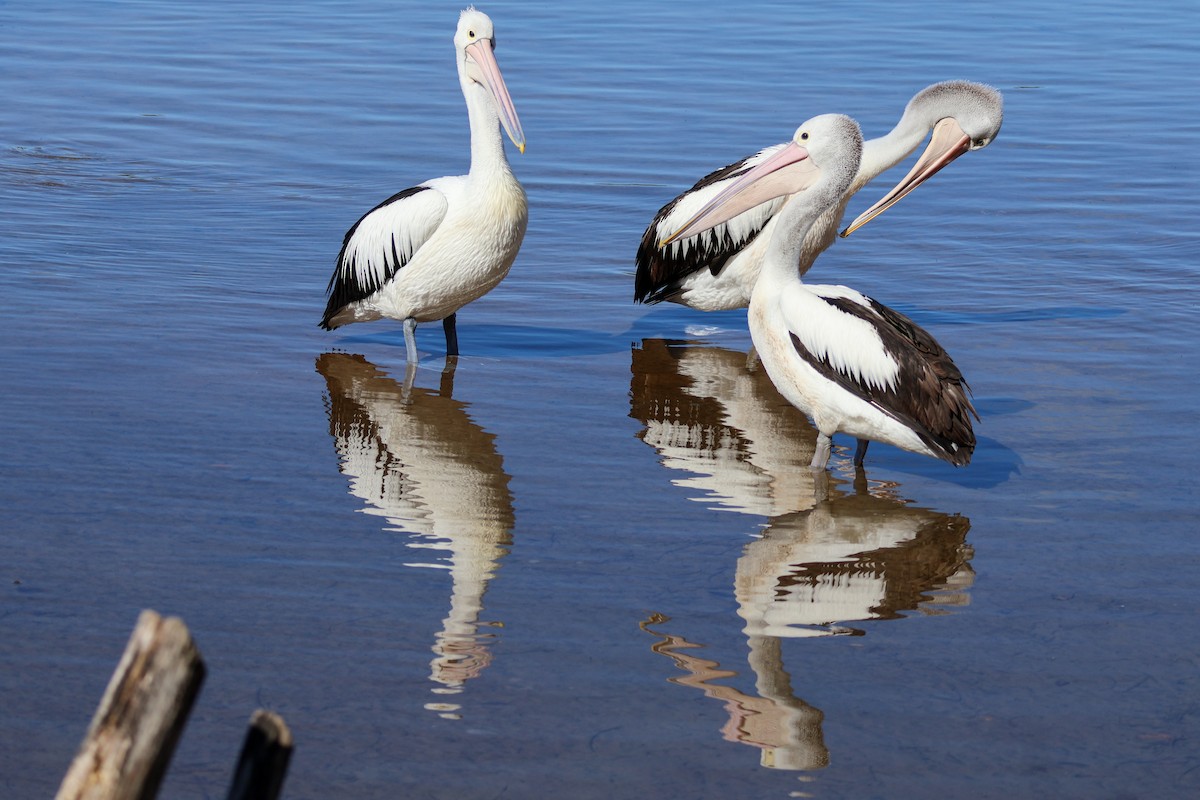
[264, 761]
[130, 741]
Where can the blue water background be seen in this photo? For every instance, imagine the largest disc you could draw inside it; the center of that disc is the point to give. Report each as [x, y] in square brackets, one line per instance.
[175, 181]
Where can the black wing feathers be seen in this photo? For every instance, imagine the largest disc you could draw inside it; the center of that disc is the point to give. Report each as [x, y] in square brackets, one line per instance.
[930, 395]
[659, 272]
[349, 285]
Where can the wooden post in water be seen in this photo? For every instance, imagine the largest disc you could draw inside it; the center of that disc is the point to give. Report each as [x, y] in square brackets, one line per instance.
[264, 761]
[133, 735]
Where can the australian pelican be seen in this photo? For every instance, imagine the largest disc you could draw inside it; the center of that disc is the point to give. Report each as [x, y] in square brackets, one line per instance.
[849, 362]
[427, 251]
[716, 270]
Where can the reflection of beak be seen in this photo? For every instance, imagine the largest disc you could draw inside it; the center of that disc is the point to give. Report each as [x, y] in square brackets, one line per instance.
[481, 52]
[786, 172]
[947, 143]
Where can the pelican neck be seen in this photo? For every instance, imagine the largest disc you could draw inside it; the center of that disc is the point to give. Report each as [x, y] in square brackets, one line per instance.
[792, 225]
[487, 140]
[884, 152]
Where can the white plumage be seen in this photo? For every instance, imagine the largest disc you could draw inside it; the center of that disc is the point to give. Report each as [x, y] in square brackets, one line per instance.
[717, 269]
[850, 363]
[427, 251]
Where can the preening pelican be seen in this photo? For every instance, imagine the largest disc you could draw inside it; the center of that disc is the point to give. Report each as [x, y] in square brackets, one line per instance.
[427, 251]
[716, 270]
[849, 362]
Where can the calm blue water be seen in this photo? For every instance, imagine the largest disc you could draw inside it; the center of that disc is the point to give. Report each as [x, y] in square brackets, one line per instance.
[589, 562]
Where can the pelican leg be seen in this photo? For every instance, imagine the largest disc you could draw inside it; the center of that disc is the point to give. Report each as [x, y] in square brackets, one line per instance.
[821, 454]
[451, 335]
[410, 339]
[860, 452]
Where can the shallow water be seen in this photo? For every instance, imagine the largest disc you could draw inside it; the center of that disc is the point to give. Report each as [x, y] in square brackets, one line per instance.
[588, 561]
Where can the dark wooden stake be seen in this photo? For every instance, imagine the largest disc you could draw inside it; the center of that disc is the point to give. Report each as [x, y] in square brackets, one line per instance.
[264, 761]
[141, 716]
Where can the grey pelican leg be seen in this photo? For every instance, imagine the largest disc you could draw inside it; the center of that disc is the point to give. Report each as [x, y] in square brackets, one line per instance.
[821, 454]
[451, 335]
[860, 452]
[410, 339]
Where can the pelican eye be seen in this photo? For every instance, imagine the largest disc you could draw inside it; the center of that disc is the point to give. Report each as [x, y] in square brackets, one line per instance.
[804, 136]
[470, 34]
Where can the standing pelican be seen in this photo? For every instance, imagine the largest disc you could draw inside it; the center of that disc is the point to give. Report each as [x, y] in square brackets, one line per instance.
[716, 270]
[427, 251]
[850, 363]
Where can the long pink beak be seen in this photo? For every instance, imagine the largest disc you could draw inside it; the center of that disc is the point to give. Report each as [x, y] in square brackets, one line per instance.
[785, 172]
[483, 55]
[947, 143]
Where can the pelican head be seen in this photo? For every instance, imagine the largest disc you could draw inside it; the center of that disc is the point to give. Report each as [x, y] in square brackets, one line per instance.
[963, 116]
[825, 149]
[475, 43]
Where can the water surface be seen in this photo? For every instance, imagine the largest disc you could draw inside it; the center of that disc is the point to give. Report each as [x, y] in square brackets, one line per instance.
[588, 561]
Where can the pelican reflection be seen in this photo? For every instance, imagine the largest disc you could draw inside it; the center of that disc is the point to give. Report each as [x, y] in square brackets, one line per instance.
[830, 554]
[783, 727]
[853, 556]
[724, 425]
[416, 458]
